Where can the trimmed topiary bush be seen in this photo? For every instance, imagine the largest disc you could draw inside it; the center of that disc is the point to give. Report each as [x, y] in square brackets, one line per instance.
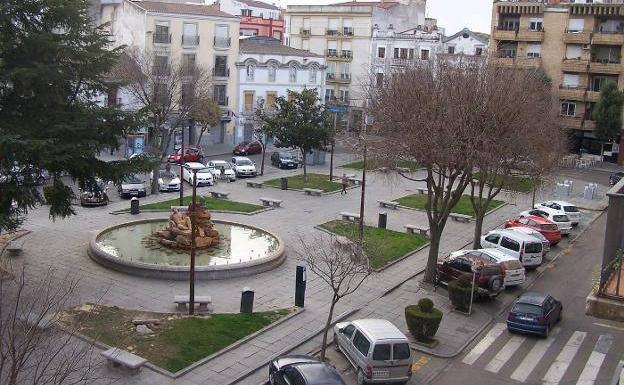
[423, 320]
[459, 294]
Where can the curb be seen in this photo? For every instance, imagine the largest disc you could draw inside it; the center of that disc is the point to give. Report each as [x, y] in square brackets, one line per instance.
[472, 218]
[212, 211]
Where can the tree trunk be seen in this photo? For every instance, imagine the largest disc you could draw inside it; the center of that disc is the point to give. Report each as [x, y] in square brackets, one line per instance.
[303, 159]
[201, 133]
[327, 326]
[479, 215]
[154, 186]
[264, 144]
[432, 259]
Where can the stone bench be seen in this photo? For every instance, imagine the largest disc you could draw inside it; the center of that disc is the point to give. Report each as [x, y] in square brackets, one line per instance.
[15, 246]
[271, 202]
[254, 184]
[342, 241]
[352, 217]
[422, 191]
[413, 229]
[388, 204]
[123, 358]
[350, 176]
[183, 300]
[313, 191]
[355, 181]
[460, 217]
[219, 194]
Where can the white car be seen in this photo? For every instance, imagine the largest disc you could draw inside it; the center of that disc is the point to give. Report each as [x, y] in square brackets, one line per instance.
[515, 274]
[243, 166]
[526, 248]
[167, 180]
[204, 176]
[557, 217]
[566, 208]
[132, 186]
[219, 167]
[536, 234]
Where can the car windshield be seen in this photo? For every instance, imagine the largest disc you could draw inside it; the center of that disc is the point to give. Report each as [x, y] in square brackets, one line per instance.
[549, 226]
[570, 209]
[244, 162]
[133, 180]
[222, 165]
[167, 174]
[533, 247]
[527, 308]
[203, 170]
[285, 155]
[560, 218]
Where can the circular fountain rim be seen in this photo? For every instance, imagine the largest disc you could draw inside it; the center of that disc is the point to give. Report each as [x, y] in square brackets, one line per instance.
[238, 269]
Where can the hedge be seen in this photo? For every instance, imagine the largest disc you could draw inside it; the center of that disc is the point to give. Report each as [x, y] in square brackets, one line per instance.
[423, 320]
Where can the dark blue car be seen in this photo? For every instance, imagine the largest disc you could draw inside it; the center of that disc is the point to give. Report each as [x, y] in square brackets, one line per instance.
[534, 313]
[302, 370]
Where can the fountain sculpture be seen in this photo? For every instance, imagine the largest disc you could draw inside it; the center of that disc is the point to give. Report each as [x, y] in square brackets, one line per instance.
[177, 233]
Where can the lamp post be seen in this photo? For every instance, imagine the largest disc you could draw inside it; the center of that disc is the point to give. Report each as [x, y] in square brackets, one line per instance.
[182, 170]
[366, 119]
[192, 214]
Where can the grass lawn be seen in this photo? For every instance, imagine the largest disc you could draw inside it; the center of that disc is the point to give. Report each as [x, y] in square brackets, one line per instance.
[464, 206]
[522, 184]
[318, 181]
[178, 341]
[374, 165]
[381, 245]
[209, 202]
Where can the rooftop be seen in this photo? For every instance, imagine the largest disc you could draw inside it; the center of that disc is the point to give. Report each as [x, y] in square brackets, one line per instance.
[269, 45]
[259, 4]
[181, 8]
[379, 4]
[483, 37]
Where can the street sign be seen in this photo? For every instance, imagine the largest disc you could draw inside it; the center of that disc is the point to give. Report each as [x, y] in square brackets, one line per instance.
[337, 109]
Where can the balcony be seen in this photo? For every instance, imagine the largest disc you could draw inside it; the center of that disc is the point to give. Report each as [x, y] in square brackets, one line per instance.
[222, 42]
[331, 32]
[190, 40]
[592, 96]
[347, 31]
[574, 65]
[161, 38]
[531, 35]
[305, 32]
[571, 93]
[608, 38]
[347, 55]
[337, 101]
[576, 37]
[221, 72]
[342, 56]
[571, 122]
[331, 53]
[338, 78]
[330, 76]
[402, 62]
[501, 33]
[605, 66]
[519, 62]
[589, 125]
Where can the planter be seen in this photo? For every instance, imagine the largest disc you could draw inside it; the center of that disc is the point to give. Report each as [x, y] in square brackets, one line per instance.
[423, 320]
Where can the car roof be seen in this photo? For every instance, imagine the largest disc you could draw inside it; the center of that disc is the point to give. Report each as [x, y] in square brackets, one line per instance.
[497, 254]
[539, 220]
[520, 235]
[526, 230]
[562, 203]
[219, 161]
[293, 359]
[319, 373]
[240, 158]
[379, 329]
[532, 298]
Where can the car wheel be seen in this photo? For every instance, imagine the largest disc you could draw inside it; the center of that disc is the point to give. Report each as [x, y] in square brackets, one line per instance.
[360, 377]
[336, 346]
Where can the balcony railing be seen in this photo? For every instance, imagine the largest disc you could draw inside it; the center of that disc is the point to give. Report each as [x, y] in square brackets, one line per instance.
[402, 62]
[345, 76]
[336, 101]
[608, 38]
[221, 72]
[332, 53]
[577, 37]
[568, 92]
[331, 32]
[305, 32]
[161, 38]
[330, 76]
[222, 42]
[190, 40]
[188, 70]
[608, 66]
[345, 54]
[347, 31]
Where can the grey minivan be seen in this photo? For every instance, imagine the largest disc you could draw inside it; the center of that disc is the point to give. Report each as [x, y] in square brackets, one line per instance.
[376, 348]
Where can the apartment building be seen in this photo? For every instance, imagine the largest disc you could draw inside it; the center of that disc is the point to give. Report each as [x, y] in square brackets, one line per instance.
[257, 18]
[187, 34]
[578, 45]
[267, 69]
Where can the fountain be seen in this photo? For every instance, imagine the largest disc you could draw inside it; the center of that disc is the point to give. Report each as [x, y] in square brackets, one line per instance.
[177, 234]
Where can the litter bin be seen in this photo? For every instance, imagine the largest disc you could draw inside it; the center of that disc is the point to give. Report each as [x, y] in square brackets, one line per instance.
[247, 298]
[134, 206]
[383, 220]
[284, 183]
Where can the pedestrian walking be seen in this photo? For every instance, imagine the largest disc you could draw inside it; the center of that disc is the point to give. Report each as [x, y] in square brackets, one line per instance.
[345, 183]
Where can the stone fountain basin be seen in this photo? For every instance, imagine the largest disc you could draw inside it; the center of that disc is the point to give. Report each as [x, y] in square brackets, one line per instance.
[181, 273]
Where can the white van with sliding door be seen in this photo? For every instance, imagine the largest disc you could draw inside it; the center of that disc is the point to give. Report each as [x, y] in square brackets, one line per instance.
[526, 248]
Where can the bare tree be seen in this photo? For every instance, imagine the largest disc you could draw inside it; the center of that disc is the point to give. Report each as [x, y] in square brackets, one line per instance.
[343, 267]
[165, 91]
[33, 349]
[206, 113]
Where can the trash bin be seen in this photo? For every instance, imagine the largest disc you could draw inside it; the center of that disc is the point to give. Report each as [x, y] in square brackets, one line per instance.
[284, 183]
[383, 220]
[134, 206]
[247, 298]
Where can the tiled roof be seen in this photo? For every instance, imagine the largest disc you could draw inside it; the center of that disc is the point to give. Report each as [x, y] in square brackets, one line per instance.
[181, 8]
[268, 45]
[379, 4]
[259, 4]
[483, 37]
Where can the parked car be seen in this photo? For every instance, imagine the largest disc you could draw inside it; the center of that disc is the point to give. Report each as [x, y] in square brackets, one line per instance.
[488, 275]
[191, 154]
[302, 370]
[221, 167]
[26, 175]
[204, 176]
[94, 194]
[513, 271]
[547, 228]
[559, 218]
[132, 186]
[563, 207]
[523, 247]
[534, 313]
[279, 144]
[537, 235]
[615, 177]
[248, 148]
[167, 180]
[282, 159]
[243, 166]
[376, 348]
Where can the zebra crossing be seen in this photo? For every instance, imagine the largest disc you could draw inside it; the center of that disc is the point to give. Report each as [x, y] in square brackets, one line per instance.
[522, 358]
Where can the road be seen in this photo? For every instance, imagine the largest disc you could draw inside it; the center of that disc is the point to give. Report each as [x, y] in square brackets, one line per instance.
[582, 350]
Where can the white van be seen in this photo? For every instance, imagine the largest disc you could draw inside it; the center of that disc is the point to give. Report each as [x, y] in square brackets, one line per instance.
[376, 348]
[536, 234]
[526, 248]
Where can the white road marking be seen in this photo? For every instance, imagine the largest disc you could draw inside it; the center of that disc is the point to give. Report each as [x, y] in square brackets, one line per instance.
[592, 367]
[607, 326]
[530, 361]
[504, 354]
[558, 368]
[485, 343]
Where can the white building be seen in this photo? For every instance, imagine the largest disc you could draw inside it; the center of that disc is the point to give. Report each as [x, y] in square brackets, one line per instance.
[251, 8]
[267, 69]
[467, 42]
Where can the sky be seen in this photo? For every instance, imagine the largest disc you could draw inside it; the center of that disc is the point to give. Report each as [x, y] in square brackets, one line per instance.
[452, 15]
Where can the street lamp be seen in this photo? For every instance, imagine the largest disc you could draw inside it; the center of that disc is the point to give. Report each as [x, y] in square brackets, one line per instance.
[182, 170]
[192, 213]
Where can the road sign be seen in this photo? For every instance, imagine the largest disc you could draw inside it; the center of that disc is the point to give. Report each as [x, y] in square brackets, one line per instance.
[337, 109]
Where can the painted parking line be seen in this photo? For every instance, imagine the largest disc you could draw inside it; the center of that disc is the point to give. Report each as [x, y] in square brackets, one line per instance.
[534, 357]
[504, 354]
[558, 368]
[419, 363]
[484, 344]
[592, 367]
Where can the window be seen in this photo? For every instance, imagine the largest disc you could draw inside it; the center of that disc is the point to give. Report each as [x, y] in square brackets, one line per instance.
[313, 72]
[332, 48]
[249, 99]
[332, 27]
[188, 63]
[292, 73]
[571, 80]
[161, 33]
[410, 54]
[221, 68]
[381, 52]
[361, 343]
[190, 37]
[219, 94]
[379, 79]
[271, 97]
[246, 12]
[493, 238]
[533, 248]
[346, 49]
[451, 50]
[403, 53]
[306, 30]
[347, 27]
[248, 32]
[568, 108]
[329, 94]
[305, 44]
[344, 95]
[277, 35]
[222, 36]
[272, 72]
[424, 54]
[536, 25]
[348, 330]
[510, 244]
[250, 71]
[381, 352]
[396, 53]
[534, 50]
[331, 70]
[161, 65]
[186, 94]
[344, 71]
[478, 51]
[400, 351]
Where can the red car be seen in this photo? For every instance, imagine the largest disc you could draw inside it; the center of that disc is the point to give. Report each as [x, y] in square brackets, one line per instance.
[489, 277]
[248, 148]
[547, 228]
[191, 154]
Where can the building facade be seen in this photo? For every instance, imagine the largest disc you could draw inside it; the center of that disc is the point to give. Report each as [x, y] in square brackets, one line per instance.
[187, 34]
[466, 42]
[257, 18]
[267, 69]
[579, 45]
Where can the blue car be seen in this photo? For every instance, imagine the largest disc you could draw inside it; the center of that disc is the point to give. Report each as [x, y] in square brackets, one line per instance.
[534, 313]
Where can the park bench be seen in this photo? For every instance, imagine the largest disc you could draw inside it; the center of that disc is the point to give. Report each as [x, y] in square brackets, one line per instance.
[350, 176]
[271, 202]
[183, 300]
[355, 181]
[412, 229]
[254, 184]
[15, 246]
[460, 217]
[219, 194]
[123, 358]
[313, 191]
[388, 204]
[383, 169]
[350, 217]
[422, 190]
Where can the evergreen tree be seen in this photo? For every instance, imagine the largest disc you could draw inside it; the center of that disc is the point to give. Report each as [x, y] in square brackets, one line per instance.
[608, 113]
